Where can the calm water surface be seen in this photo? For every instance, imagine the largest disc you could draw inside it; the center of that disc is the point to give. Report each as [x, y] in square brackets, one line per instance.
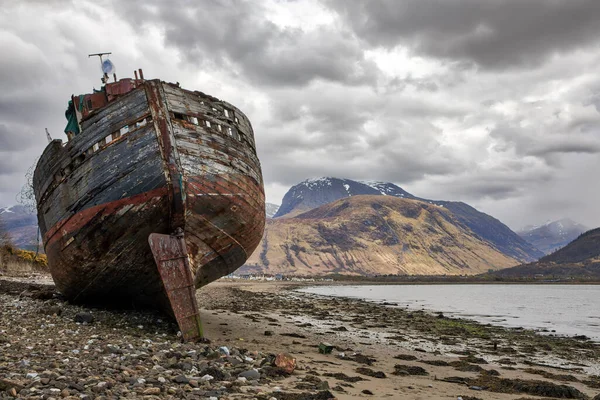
[567, 309]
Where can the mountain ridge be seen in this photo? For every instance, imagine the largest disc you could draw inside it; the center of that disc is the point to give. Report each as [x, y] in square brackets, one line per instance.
[552, 235]
[580, 259]
[313, 193]
[373, 235]
[271, 209]
[21, 226]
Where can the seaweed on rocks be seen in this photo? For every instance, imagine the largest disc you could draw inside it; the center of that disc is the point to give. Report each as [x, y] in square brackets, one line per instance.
[400, 369]
[535, 388]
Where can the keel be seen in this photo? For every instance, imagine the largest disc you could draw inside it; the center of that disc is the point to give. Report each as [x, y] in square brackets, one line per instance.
[173, 265]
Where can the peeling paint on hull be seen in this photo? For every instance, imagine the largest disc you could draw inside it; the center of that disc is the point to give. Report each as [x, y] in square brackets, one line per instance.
[181, 159]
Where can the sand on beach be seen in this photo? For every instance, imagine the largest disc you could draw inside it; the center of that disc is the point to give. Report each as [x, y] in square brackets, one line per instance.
[378, 352]
[231, 318]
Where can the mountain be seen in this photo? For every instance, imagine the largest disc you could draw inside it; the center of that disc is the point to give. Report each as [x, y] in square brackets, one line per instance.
[584, 249]
[552, 235]
[21, 225]
[316, 192]
[374, 235]
[271, 209]
[313, 193]
[579, 259]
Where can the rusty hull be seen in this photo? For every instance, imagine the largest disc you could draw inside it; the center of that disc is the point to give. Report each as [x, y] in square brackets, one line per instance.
[153, 159]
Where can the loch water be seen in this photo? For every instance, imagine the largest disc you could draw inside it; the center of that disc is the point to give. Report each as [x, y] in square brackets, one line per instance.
[564, 310]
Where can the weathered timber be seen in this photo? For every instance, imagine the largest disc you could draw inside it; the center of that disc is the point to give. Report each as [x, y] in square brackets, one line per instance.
[149, 161]
[171, 258]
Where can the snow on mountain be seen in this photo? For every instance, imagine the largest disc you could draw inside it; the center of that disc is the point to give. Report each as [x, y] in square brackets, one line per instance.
[21, 225]
[271, 209]
[552, 235]
[389, 189]
[315, 192]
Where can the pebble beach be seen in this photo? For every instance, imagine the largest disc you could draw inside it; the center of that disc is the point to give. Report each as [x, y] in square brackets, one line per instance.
[267, 341]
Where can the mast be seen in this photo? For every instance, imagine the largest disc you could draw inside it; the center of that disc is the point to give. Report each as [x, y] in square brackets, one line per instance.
[106, 65]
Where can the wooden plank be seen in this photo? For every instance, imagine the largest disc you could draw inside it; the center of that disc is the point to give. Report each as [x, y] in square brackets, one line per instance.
[127, 167]
[172, 261]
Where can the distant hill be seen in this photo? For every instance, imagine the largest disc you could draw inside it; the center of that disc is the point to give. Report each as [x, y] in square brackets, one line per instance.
[552, 235]
[271, 209]
[373, 235]
[584, 249]
[21, 225]
[313, 193]
[578, 259]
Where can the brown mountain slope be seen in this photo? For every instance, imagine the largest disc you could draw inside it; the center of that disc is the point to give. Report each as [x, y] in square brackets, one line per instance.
[370, 235]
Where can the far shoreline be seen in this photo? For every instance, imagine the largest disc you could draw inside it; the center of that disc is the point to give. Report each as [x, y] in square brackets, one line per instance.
[411, 280]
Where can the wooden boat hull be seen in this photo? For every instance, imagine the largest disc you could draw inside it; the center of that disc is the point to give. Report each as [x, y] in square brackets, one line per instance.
[167, 168]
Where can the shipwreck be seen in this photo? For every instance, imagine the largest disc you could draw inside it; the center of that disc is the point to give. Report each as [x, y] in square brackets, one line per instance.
[157, 191]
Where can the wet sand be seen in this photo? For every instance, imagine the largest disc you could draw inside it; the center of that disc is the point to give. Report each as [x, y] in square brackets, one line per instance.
[378, 334]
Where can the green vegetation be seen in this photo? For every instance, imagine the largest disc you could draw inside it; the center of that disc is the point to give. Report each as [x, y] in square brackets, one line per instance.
[459, 327]
[13, 260]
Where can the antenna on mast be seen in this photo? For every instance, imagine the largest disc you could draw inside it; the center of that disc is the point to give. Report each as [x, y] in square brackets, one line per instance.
[106, 65]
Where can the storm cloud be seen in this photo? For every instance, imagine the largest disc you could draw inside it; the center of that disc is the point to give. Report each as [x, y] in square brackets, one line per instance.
[492, 34]
[496, 102]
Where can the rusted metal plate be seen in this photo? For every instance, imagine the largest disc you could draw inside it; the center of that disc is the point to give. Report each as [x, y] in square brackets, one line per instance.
[171, 258]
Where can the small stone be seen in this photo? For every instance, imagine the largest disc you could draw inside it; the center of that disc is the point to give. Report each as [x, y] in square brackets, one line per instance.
[323, 385]
[65, 393]
[367, 391]
[152, 391]
[181, 379]
[13, 392]
[84, 318]
[252, 374]
[52, 310]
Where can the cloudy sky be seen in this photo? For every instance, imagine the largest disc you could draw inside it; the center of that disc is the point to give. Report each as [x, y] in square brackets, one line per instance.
[492, 102]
